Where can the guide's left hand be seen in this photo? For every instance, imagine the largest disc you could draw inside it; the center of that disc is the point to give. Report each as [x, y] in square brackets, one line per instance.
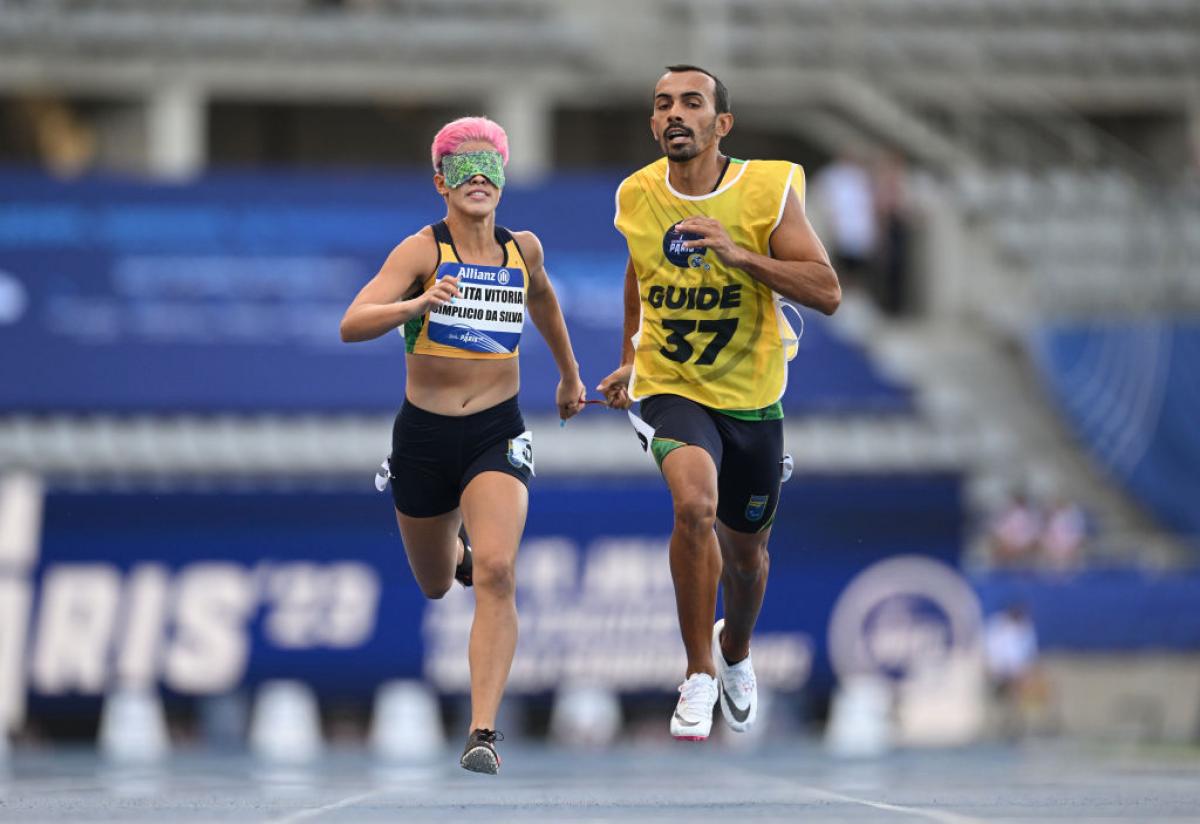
[615, 387]
[570, 396]
[713, 236]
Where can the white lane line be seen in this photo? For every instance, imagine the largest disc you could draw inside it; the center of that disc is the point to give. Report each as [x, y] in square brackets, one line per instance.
[940, 816]
[313, 812]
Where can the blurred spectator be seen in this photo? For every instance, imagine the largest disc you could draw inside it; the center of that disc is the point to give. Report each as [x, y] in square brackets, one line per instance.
[847, 197]
[1064, 535]
[895, 231]
[1011, 657]
[1011, 646]
[1014, 535]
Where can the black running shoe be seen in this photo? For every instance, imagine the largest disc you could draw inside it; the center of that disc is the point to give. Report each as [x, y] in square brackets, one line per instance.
[464, 572]
[480, 753]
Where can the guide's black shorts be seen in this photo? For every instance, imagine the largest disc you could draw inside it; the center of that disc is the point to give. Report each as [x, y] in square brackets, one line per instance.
[747, 455]
[434, 457]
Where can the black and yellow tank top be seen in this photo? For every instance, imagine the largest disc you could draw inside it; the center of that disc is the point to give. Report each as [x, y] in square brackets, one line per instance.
[485, 321]
[708, 331]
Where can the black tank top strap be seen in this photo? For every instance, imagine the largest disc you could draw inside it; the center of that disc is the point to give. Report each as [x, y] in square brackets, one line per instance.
[505, 237]
[441, 233]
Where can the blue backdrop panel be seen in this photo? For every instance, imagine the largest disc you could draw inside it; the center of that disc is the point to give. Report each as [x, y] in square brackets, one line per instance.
[225, 294]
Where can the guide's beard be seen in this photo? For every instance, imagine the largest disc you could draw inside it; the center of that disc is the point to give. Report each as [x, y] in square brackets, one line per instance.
[685, 152]
[692, 148]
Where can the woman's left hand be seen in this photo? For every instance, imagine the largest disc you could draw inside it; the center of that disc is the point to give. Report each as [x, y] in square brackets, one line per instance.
[570, 396]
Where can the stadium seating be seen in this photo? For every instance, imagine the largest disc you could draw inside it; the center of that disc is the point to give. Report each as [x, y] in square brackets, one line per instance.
[1129, 390]
[179, 342]
[1094, 241]
[1072, 47]
[194, 281]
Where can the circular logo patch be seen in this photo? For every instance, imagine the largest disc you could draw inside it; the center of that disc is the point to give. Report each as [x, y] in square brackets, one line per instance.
[502, 277]
[680, 255]
[902, 615]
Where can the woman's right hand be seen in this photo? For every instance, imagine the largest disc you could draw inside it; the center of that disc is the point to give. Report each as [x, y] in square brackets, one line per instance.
[441, 293]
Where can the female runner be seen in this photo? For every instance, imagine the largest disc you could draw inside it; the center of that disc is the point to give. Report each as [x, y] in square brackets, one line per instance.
[461, 455]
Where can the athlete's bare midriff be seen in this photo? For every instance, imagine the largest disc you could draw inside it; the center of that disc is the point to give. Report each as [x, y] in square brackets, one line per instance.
[458, 386]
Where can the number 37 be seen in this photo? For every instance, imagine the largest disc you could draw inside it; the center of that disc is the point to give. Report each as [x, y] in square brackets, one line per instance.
[680, 350]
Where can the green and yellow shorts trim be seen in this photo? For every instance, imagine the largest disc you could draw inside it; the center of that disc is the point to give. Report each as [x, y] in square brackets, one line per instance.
[746, 451]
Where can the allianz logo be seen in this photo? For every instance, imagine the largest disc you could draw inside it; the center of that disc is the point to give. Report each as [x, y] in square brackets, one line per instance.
[474, 274]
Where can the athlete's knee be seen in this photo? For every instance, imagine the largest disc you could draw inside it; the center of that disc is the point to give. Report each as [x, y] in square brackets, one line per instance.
[696, 514]
[434, 591]
[495, 577]
[749, 565]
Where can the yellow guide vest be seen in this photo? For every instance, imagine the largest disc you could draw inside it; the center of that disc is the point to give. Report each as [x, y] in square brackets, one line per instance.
[708, 332]
[485, 320]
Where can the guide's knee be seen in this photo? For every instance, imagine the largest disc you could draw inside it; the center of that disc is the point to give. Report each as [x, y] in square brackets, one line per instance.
[748, 565]
[695, 515]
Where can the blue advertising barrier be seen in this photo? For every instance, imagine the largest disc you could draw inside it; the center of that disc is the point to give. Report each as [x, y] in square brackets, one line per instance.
[204, 592]
[200, 593]
[1104, 610]
[224, 295]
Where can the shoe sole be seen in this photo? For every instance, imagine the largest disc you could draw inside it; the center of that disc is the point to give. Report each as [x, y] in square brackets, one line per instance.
[696, 729]
[481, 760]
[722, 698]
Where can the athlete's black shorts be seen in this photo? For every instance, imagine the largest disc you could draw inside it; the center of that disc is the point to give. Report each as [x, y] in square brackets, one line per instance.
[434, 457]
[747, 455]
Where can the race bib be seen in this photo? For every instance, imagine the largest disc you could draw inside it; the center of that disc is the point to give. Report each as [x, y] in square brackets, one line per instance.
[520, 451]
[645, 432]
[487, 315]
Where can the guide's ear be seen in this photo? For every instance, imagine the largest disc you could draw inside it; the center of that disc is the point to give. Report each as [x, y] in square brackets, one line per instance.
[724, 124]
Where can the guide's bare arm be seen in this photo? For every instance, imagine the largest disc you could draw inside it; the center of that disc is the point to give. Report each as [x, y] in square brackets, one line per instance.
[615, 387]
[798, 267]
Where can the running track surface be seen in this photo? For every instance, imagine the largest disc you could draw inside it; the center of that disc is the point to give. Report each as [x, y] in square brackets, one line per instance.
[673, 783]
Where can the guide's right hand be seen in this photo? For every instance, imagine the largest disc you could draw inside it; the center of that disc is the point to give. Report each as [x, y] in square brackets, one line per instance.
[615, 387]
[441, 293]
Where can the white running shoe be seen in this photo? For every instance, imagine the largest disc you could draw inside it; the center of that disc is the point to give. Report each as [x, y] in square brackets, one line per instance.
[693, 716]
[739, 688]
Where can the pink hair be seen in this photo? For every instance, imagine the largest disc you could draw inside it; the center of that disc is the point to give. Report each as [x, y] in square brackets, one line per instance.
[465, 130]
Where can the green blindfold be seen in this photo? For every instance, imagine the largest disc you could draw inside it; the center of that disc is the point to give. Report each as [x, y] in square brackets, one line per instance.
[459, 168]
